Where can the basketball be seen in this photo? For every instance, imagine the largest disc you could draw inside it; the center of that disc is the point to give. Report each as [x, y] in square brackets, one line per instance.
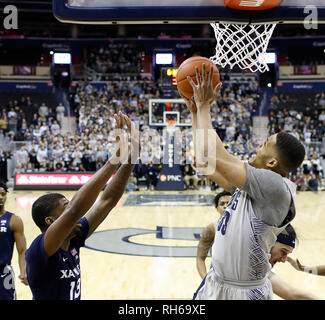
[187, 68]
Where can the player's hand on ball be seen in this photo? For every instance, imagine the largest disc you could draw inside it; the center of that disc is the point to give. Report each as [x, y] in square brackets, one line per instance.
[204, 93]
[296, 264]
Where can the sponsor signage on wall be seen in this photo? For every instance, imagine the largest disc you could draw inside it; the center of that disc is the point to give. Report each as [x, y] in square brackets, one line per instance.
[51, 181]
[26, 86]
[300, 85]
[170, 177]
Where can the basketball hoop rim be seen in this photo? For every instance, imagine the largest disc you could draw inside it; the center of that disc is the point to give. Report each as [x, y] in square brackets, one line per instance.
[247, 23]
[171, 123]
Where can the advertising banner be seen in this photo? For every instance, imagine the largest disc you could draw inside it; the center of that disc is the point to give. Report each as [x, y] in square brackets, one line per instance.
[51, 181]
[300, 85]
[22, 86]
[170, 177]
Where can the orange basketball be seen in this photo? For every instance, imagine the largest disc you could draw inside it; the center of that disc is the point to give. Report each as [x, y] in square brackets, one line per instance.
[187, 68]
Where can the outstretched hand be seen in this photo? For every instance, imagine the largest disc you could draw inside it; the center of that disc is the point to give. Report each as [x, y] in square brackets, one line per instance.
[204, 93]
[296, 264]
[134, 134]
[130, 136]
[119, 120]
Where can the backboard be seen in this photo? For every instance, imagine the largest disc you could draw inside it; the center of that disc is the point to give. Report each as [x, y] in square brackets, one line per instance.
[161, 111]
[182, 11]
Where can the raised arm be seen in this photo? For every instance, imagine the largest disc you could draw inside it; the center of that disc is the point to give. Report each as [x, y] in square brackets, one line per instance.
[82, 201]
[215, 176]
[114, 191]
[286, 291]
[203, 248]
[16, 224]
[213, 158]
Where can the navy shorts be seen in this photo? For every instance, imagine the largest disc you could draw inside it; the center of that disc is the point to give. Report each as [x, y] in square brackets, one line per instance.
[7, 283]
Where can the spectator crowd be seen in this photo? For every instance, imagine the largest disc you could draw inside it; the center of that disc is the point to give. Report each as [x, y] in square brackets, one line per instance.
[46, 148]
[114, 58]
[304, 117]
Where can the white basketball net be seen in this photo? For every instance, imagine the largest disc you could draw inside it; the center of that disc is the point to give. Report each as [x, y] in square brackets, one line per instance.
[171, 126]
[242, 45]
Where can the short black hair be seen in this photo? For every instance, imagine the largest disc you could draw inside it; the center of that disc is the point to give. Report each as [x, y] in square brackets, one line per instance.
[4, 186]
[220, 195]
[43, 207]
[291, 151]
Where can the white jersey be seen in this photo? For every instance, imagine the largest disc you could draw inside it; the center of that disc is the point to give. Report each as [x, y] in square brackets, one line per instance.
[242, 244]
[245, 234]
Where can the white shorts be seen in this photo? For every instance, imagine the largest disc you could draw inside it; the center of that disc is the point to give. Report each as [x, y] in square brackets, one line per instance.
[214, 288]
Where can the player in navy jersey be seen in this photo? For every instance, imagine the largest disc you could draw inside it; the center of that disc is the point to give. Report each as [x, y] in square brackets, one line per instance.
[11, 231]
[53, 264]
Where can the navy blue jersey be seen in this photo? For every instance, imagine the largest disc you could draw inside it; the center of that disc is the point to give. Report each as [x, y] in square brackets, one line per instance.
[56, 277]
[7, 283]
[7, 239]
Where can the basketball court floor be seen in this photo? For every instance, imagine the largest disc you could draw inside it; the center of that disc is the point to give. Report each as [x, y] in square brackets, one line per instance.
[146, 247]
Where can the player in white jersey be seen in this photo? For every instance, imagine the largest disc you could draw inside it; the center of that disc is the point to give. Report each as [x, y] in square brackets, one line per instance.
[261, 205]
[284, 245]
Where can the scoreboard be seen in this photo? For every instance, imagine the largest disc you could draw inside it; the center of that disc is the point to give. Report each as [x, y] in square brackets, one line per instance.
[168, 77]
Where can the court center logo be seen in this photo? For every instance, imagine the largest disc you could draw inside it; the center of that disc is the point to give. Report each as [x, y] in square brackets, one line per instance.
[123, 241]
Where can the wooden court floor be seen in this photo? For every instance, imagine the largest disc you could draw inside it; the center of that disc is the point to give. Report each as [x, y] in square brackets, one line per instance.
[141, 251]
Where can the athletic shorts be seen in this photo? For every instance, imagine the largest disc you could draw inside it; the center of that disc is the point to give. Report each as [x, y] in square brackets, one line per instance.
[7, 283]
[214, 288]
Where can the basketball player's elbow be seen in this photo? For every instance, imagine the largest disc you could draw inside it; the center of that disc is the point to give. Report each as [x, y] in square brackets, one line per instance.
[21, 248]
[111, 201]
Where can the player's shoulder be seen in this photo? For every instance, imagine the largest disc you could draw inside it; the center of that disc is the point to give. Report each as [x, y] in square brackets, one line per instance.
[35, 245]
[266, 175]
[15, 220]
[291, 186]
[11, 218]
[37, 240]
[210, 227]
[8, 214]
[209, 231]
[262, 171]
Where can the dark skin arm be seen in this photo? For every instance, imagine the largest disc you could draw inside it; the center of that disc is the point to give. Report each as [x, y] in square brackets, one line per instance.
[114, 191]
[203, 248]
[61, 227]
[16, 224]
[108, 200]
